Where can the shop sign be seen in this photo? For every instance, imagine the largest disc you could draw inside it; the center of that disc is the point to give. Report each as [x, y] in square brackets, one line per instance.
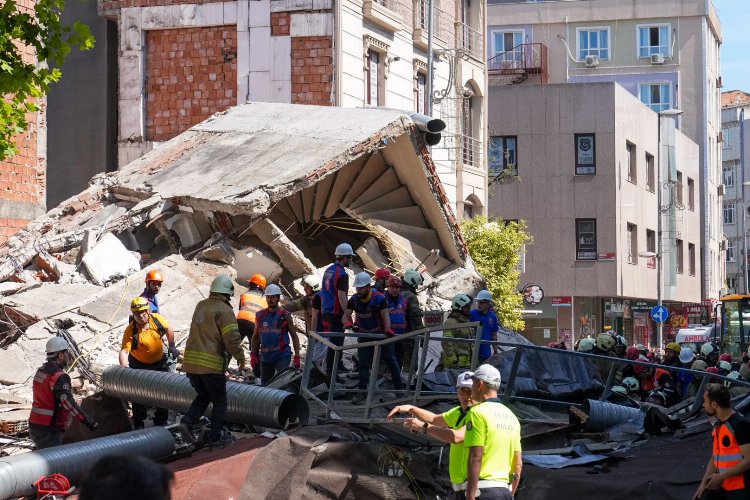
[607, 256]
[614, 308]
[562, 301]
[640, 306]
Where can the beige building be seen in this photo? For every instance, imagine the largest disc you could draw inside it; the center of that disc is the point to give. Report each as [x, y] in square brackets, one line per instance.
[665, 53]
[586, 157]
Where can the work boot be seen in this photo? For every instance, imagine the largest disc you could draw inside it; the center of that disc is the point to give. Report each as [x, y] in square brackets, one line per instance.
[222, 442]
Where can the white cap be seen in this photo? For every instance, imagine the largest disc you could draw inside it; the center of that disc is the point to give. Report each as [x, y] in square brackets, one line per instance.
[488, 374]
[464, 380]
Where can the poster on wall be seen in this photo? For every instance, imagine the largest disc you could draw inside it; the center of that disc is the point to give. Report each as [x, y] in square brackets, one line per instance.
[586, 239]
[585, 154]
[532, 294]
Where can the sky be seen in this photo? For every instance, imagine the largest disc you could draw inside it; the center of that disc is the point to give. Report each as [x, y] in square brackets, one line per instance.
[735, 28]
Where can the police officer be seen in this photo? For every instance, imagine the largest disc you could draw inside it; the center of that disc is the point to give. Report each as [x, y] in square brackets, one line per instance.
[214, 337]
[53, 404]
[270, 344]
[493, 438]
[333, 298]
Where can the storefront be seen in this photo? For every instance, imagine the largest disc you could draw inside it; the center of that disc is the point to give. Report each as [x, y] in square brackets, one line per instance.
[644, 329]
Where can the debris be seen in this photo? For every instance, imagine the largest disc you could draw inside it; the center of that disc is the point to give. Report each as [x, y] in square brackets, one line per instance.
[13, 370]
[219, 252]
[109, 261]
[293, 258]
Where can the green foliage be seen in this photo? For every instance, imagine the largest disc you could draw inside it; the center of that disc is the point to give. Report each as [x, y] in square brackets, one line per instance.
[24, 79]
[495, 247]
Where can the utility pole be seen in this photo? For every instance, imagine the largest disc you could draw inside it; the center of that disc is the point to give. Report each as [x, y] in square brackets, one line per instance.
[744, 207]
[430, 28]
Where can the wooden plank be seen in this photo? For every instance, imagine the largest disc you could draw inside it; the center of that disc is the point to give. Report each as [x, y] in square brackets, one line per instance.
[385, 183]
[398, 198]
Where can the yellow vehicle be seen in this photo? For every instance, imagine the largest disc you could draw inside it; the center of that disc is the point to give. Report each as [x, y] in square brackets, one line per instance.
[735, 324]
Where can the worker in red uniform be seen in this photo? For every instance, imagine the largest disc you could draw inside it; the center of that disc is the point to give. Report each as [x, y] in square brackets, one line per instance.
[333, 298]
[154, 281]
[270, 342]
[727, 474]
[53, 405]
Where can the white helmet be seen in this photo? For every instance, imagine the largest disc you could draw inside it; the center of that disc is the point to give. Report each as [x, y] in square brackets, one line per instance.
[312, 281]
[707, 348]
[56, 344]
[272, 289]
[724, 365]
[631, 384]
[344, 250]
[686, 355]
[733, 375]
[586, 345]
[362, 279]
[618, 389]
[460, 301]
[485, 295]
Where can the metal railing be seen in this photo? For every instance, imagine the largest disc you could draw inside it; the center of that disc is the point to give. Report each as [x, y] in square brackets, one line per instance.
[471, 151]
[470, 40]
[442, 23]
[522, 62]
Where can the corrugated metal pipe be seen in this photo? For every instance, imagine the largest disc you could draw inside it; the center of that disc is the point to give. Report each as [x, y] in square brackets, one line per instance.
[248, 404]
[18, 473]
[603, 415]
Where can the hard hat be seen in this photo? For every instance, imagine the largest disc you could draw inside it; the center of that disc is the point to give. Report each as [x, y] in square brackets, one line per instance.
[362, 279]
[139, 304]
[257, 279]
[413, 278]
[641, 348]
[726, 357]
[460, 301]
[712, 369]
[631, 383]
[154, 275]
[312, 281]
[222, 284]
[725, 366]
[271, 290]
[686, 355]
[56, 344]
[632, 352]
[638, 369]
[382, 273]
[394, 281]
[674, 346]
[484, 295]
[733, 375]
[621, 342]
[586, 345]
[707, 349]
[699, 364]
[605, 341]
[618, 389]
[464, 380]
[657, 394]
[344, 250]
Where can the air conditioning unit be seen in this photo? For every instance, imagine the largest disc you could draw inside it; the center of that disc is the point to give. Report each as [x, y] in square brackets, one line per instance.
[592, 61]
[720, 189]
[657, 59]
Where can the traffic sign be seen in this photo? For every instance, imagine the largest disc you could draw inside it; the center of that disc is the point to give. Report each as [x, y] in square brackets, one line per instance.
[659, 314]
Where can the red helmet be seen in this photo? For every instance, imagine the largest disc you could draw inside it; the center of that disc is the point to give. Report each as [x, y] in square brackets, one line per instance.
[632, 352]
[712, 369]
[257, 279]
[394, 281]
[154, 275]
[382, 273]
[726, 357]
[650, 355]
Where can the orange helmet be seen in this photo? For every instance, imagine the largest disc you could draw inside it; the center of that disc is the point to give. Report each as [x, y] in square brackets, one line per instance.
[154, 275]
[257, 279]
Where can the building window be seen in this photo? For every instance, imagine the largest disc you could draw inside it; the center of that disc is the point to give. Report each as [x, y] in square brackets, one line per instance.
[730, 250]
[654, 40]
[680, 257]
[420, 93]
[656, 96]
[632, 169]
[593, 42]
[508, 42]
[678, 189]
[585, 154]
[503, 155]
[650, 173]
[691, 194]
[691, 259]
[651, 247]
[729, 176]
[585, 239]
[632, 244]
[729, 213]
[372, 78]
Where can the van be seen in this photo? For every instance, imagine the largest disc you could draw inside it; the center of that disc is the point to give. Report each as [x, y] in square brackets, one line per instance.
[694, 336]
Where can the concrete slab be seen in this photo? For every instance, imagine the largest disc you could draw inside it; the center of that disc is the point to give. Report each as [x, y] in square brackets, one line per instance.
[109, 259]
[13, 370]
[51, 299]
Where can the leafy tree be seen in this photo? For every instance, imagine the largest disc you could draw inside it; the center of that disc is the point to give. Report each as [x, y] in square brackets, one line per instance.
[28, 42]
[495, 246]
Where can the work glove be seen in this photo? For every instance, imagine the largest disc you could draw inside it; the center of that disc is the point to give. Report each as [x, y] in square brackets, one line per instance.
[296, 361]
[390, 332]
[91, 424]
[348, 325]
[173, 351]
[254, 361]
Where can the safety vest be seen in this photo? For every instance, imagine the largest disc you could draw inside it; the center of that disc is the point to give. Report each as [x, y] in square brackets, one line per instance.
[273, 329]
[45, 410]
[250, 303]
[397, 311]
[727, 454]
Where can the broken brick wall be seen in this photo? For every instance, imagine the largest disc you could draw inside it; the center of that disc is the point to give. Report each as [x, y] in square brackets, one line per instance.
[312, 70]
[23, 176]
[191, 73]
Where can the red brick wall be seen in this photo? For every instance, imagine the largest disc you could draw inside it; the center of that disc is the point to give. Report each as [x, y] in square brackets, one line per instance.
[280, 23]
[191, 73]
[312, 70]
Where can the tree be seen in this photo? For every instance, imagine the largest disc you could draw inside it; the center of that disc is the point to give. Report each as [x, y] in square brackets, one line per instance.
[495, 246]
[28, 42]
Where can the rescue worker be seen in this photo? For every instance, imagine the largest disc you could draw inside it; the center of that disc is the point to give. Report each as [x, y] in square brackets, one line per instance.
[142, 348]
[485, 314]
[381, 280]
[397, 305]
[448, 427]
[371, 316]
[586, 344]
[727, 473]
[724, 367]
[493, 440]
[154, 281]
[334, 289]
[251, 302]
[53, 405]
[414, 315]
[457, 355]
[632, 353]
[685, 380]
[214, 337]
[273, 329]
[311, 284]
[620, 347]
[710, 354]
[664, 383]
[671, 354]
[605, 342]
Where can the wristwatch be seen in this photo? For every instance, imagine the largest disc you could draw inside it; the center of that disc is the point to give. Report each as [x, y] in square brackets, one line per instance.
[425, 426]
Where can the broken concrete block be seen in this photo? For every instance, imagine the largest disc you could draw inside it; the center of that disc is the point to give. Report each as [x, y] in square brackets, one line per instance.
[49, 300]
[108, 259]
[13, 370]
[219, 252]
[186, 230]
[88, 242]
[9, 287]
[250, 260]
[293, 258]
[371, 255]
[54, 268]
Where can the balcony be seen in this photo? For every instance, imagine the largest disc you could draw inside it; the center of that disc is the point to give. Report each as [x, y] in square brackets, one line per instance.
[388, 14]
[470, 40]
[471, 151]
[525, 62]
[442, 25]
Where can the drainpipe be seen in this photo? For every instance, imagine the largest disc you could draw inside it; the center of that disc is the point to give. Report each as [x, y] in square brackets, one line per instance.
[429, 57]
[337, 51]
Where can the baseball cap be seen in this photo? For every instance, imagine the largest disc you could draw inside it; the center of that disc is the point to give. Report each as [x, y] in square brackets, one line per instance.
[464, 380]
[488, 374]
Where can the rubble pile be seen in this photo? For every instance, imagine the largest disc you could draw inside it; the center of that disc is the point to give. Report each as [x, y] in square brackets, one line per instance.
[261, 188]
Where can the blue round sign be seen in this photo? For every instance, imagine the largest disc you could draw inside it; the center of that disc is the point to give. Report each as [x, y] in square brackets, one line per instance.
[659, 314]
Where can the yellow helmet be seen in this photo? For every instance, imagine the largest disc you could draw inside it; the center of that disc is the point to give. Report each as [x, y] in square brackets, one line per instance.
[139, 304]
[674, 346]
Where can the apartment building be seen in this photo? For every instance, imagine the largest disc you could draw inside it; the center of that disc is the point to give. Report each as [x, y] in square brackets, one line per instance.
[735, 118]
[586, 161]
[664, 53]
[180, 62]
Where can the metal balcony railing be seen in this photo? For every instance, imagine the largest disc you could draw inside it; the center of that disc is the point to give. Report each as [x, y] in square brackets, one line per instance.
[527, 61]
[442, 23]
[471, 151]
[470, 40]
